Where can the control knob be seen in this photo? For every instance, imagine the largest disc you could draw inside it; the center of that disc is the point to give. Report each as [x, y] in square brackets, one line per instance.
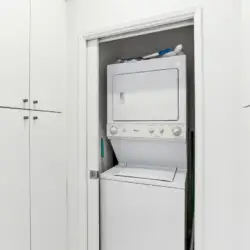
[151, 130]
[113, 130]
[176, 130]
[161, 130]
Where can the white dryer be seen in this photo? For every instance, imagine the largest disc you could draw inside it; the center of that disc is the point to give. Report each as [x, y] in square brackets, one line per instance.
[142, 199]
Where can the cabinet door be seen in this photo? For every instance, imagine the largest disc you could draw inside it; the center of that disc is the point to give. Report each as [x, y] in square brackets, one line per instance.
[48, 50]
[242, 173]
[14, 53]
[245, 40]
[48, 181]
[14, 180]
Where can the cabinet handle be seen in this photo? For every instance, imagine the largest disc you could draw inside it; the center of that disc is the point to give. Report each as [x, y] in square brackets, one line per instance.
[25, 117]
[35, 117]
[35, 101]
[25, 100]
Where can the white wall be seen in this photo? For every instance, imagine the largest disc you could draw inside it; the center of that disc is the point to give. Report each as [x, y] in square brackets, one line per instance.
[222, 104]
[243, 190]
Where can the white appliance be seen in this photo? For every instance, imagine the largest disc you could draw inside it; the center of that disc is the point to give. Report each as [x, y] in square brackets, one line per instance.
[142, 202]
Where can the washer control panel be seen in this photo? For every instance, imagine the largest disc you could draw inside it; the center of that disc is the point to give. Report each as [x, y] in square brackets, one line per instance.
[170, 131]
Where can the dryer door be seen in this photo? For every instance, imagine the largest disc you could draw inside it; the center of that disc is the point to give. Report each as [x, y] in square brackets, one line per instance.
[146, 96]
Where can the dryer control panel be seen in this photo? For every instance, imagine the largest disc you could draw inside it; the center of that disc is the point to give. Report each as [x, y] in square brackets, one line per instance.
[134, 130]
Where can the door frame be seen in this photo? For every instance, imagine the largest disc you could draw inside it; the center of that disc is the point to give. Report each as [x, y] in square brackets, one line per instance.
[168, 21]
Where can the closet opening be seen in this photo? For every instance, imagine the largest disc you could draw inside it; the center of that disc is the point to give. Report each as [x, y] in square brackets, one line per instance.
[129, 51]
[141, 132]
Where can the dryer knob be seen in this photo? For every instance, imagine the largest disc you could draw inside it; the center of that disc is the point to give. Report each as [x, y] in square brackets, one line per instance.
[151, 130]
[113, 130]
[161, 130]
[176, 130]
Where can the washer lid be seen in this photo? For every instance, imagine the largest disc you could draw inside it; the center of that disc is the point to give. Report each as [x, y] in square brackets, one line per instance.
[160, 174]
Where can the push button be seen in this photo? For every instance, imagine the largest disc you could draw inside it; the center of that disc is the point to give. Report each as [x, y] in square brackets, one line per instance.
[113, 130]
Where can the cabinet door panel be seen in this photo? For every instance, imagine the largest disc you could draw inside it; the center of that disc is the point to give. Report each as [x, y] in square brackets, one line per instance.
[48, 54]
[245, 40]
[14, 53]
[14, 180]
[48, 182]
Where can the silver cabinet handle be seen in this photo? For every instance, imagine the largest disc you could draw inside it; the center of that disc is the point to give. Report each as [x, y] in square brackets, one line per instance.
[35, 101]
[35, 117]
[25, 100]
[247, 106]
[25, 117]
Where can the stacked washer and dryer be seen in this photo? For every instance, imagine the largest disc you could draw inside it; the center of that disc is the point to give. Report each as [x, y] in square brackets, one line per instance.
[143, 198]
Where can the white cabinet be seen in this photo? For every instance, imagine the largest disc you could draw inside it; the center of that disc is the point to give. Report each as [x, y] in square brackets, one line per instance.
[47, 53]
[33, 184]
[33, 54]
[48, 181]
[14, 53]
[33, 202]
[245, 40]
[14, 180]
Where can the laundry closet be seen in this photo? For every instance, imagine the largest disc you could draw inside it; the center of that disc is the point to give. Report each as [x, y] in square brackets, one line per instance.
[141, 188]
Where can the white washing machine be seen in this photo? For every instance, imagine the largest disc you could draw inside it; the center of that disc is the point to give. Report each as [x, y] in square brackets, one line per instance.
[142, 209]
[142, 199]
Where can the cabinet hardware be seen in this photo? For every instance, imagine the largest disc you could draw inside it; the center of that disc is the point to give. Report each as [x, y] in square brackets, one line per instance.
[246, 106]
[35, 101]
[25, 117]
[93, 174]
[25, 100]
[35, 117]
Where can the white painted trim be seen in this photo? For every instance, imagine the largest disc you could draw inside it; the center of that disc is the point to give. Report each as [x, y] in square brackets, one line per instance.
[93, 142]
[82, 146]
[143, 24]
[136, 27]
[199, 131]
[148, 31]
